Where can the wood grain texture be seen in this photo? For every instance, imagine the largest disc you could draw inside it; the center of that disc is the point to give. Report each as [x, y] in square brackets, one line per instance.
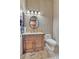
[33, 43]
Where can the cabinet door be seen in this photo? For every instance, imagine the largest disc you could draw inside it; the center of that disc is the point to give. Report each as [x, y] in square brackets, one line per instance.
[28, 44]
[39, 43]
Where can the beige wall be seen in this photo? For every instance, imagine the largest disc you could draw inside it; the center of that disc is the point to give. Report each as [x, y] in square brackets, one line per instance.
[56, 20]
[49, 19]
[45, 7]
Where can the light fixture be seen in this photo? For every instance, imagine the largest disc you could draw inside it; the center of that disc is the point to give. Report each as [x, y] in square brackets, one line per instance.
[31, 12]
[35, 12]
[28, 12]
[38, 13]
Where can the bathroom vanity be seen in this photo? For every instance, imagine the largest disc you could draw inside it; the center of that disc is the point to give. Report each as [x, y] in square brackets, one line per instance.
[32, 42]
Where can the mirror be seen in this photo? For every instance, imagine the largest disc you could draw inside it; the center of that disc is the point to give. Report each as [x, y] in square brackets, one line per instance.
[33, 22]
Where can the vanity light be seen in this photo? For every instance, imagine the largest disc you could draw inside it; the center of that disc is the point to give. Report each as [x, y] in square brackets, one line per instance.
[35, 12]
[38, 13]
[31, 12]
[28, 12]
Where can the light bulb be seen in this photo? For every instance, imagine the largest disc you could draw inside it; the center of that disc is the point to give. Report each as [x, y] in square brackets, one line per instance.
[38, 13]
[28, 12]
[31, 12]
[35, 12]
